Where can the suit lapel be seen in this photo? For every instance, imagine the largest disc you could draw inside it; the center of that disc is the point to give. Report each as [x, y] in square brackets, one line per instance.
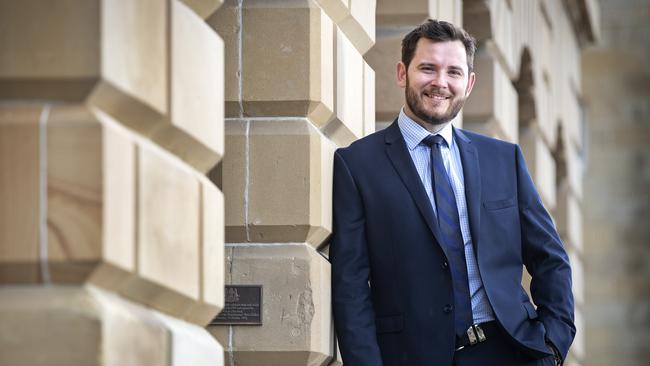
[401, 159]
[472, 175]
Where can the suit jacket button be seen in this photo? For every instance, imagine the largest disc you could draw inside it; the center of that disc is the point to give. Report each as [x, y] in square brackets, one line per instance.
[445, 265]
[448, 308]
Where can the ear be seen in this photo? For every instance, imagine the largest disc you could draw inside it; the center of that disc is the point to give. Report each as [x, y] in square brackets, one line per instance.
[401, 74]
[470, 83]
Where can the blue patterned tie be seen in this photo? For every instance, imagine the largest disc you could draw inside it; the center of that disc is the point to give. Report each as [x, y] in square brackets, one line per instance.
[449, 225]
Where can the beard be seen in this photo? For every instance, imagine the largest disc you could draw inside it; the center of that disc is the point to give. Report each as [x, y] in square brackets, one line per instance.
[415, 102]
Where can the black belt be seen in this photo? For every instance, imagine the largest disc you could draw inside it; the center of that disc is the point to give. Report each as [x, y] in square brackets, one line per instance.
[477, 333]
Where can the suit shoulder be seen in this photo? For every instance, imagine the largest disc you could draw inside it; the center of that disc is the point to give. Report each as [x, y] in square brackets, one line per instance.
[487, 141]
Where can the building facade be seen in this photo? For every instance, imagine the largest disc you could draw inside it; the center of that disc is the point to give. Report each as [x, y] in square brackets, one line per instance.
[616, 86]
[153, 152]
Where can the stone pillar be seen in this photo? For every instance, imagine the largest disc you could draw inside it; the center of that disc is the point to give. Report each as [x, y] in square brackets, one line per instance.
[112, 235]
[297, 87]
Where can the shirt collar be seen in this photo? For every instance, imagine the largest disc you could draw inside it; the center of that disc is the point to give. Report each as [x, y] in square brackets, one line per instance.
[414, 133]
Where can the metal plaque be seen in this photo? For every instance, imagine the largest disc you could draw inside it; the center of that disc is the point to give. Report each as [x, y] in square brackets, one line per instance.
[243, 306]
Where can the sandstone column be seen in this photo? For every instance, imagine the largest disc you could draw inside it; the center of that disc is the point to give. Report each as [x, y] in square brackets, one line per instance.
[111, 244]
[297, 86]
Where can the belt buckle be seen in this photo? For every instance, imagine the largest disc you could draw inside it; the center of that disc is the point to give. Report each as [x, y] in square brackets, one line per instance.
[475, 334]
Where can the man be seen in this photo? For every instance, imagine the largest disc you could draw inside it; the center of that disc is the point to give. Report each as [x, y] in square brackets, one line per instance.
[432, 228]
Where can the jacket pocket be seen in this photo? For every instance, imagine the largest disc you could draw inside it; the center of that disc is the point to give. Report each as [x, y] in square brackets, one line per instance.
[498, 204]
[530, 309]
[389, 324]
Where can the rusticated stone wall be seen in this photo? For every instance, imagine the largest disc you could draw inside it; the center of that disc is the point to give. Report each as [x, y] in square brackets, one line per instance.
[111, 234]
[297, 86]
[114, 113]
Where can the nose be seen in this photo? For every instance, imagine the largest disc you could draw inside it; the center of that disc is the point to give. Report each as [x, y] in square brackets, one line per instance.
[438, 80]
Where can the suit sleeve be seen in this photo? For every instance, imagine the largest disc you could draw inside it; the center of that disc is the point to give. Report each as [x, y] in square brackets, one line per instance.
[547, 262]
[354, 316]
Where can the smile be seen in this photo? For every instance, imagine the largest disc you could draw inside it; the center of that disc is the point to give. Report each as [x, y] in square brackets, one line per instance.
[436, 96]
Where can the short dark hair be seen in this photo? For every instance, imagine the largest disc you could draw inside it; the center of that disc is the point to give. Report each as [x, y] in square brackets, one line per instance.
[438, 31]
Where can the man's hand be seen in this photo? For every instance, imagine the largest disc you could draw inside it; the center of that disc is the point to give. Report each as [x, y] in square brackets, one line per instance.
[556, 353]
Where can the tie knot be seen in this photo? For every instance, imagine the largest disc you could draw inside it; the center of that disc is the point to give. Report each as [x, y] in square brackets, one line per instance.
[432, 140]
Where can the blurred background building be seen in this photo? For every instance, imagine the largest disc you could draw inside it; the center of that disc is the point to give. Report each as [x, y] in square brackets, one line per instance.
[152, 152]
[616, 86]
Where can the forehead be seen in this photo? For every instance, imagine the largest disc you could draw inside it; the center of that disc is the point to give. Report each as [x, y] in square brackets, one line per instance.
[449, 53]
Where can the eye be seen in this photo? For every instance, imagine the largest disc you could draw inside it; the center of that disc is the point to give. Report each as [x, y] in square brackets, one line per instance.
[455, 72]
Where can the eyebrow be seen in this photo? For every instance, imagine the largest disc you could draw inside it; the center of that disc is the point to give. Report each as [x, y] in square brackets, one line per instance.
[428, 64]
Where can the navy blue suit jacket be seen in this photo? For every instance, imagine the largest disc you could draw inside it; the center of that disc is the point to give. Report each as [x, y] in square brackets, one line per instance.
[390, 285]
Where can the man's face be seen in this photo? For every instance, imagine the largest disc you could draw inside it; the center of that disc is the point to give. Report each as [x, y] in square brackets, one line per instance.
[437, 82]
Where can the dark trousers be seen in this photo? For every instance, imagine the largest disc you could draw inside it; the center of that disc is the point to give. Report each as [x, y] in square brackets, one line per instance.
[497, 351]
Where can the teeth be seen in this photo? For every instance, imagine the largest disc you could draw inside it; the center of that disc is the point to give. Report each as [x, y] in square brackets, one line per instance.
[436, 97]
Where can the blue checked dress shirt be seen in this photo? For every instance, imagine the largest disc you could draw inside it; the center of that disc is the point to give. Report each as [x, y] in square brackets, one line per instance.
[421, 155]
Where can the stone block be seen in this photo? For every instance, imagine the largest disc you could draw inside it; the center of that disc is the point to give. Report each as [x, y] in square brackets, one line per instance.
[296, 312]
[541, 165]
[578, 276]
[155, 243]
[212, 246]
[337, 10]
[448, 10]
[150, 228]
[578, 345]
[368, 99]
[544, 109]
[287, 71]
[481, 25]
[134, 50]
[575, 223]
[127, 245]
[492, 106]
[20, 182]
[158, 75]
[279, 177]
[525, 282]
[40, 326]
[74, 192]
[338, 360]
[65, 33]
[179, 242]
[502, 35]
[196, 78]
[203, 8]
[347, 124]
[168, 223]
[225, 21]
[235, 179]
[382, 58]
[407, 13]
[120, 194]
[101, 328]
[359, 24]
[575, 168]
[191, 344]
[131, 335]
[571, 114]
